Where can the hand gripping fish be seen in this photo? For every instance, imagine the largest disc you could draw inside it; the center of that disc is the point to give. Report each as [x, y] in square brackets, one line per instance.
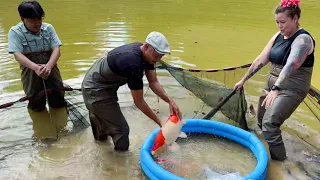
[168, 135]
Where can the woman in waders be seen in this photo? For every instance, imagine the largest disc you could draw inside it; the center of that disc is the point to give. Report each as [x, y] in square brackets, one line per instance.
[291, 52]
[36, 46]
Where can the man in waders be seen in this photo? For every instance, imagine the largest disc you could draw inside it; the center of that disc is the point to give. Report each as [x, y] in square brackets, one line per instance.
[36, 46]
[124, 64]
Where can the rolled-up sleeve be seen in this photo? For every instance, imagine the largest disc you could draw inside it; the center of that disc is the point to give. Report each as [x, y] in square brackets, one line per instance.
[54, 39]
[14, 42]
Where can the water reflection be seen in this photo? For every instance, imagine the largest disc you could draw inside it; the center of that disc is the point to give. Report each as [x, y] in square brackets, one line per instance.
[8, 77]
[113, 34]
[202, 34]
[17, 148]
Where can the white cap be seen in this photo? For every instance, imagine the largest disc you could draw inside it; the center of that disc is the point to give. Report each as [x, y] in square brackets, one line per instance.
[158, 42]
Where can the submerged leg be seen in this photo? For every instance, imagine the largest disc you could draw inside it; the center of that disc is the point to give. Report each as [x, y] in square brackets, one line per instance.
[42, 126]
[49, 125]
[98, 131]
[112, 122]
[60, 118]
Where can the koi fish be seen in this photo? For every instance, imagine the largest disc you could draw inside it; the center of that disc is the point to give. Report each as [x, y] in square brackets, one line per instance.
[168, 135]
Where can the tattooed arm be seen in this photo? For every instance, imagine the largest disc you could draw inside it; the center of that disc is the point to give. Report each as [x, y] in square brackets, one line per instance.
[301, 47]
[255, 67]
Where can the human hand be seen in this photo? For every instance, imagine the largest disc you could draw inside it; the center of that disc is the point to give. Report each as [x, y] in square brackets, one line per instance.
[174, 109]
[238, 85]
[40, 71]
[271, 96]
[47, 70]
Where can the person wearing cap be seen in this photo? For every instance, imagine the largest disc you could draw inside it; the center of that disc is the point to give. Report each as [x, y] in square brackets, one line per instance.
[124, 65]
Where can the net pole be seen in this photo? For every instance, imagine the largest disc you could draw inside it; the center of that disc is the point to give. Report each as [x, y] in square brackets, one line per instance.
[216, 109]
[49, 110]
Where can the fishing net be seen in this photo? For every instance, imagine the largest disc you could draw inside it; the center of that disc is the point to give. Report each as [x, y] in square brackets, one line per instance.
[76, 110]
[312, 101]
[215, 88]
[76, 113]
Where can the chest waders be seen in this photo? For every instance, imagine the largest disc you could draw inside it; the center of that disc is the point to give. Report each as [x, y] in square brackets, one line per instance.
[99, 89]
[44, 126]
[269, 120]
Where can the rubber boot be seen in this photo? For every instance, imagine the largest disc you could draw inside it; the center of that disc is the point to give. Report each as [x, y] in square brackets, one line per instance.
[121, 142]
[278, 152]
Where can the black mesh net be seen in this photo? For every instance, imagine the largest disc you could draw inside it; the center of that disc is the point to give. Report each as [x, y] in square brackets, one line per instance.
[75, 109]
[213, 90]
[312, 101]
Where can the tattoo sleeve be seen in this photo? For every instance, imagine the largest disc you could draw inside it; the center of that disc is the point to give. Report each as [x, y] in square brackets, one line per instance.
[300, 48]
[255, 67]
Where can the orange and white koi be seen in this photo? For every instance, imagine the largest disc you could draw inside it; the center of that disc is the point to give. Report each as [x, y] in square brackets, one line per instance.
[168, 135]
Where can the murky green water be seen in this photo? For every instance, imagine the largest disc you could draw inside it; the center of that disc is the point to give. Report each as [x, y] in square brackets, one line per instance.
[202, 34]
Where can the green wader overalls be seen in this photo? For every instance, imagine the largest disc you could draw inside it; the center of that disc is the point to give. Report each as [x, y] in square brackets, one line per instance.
[99, 89]
[294, 91]
[45, 125]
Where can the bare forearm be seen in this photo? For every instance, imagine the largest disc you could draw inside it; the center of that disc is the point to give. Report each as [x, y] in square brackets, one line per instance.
[159, 91]
[54, 57]
[254, 68]
[143, 106]
[24, 61]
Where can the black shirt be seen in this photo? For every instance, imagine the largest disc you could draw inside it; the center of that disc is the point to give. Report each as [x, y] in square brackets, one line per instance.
[281, 49]
[127, 61]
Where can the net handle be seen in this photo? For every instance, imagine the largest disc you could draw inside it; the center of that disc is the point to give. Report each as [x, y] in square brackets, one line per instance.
[313, 91]
[48, 91]
[216, 109]
[205, 70]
